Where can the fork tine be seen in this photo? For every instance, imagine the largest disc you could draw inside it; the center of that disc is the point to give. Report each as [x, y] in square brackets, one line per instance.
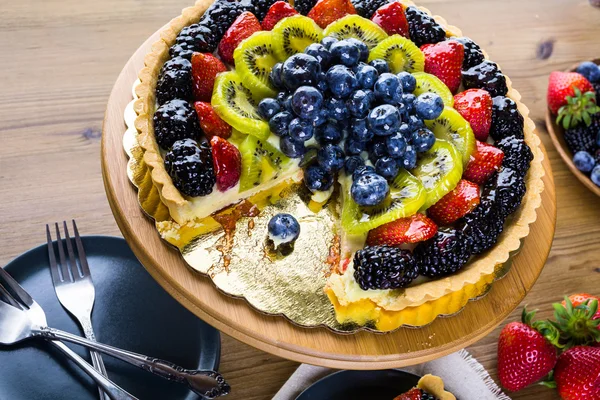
[52, 257]
[15, 289]
[61, 254]
[74, 269]
[6, 297]
[85, 268]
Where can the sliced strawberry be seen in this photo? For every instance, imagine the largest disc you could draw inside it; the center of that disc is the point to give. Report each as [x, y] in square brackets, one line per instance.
[210, 122]
[456, 204]
[227, 161]
[205, 68]
[392, 19]
[326, 11]
[444, 60]
[278, 11]
[242, 28]
[404, 230]
[475, 105]
[563, 84]
[484, 162]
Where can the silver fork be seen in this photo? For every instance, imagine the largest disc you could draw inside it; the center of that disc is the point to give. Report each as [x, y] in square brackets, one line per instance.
[74, 287]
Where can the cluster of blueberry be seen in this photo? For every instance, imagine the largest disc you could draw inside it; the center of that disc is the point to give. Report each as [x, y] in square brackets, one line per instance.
[347, 106]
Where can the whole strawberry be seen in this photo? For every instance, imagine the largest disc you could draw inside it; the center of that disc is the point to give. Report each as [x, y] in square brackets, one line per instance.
[524, 355]
[561, 85]
[205, 68]
[392, 19]
[242, 28]
[578, 320]
[413, 229]
[278, 11]
[227, 162]
[577, 373]
[444, 60]
[486, 160]
[475, 105]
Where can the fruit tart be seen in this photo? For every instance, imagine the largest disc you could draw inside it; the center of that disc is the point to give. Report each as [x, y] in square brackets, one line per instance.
[429, 387]
[375, 109]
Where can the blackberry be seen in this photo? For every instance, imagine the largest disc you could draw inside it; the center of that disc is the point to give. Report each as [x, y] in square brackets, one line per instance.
[221, 14]
[583, 138]
[444, 254]
[597, 156]
[422, 27]
[174, 81]
[304, 6]
[486, 75]
[482, 227]
[175, 120]
[384, 267]
[596, 86]
[473, 53]
[262, 7]
[195, 37]
[506, 119]
[190, 166]
[517, 154]
[508, 187]
[366, 8]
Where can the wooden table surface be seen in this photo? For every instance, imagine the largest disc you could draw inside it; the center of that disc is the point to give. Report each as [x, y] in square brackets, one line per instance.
[60, 60]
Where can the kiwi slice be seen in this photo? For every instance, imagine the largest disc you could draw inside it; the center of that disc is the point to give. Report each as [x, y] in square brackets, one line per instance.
[400, 53]
[431, 83]
[237, 105]
[439, 170]
[354, 26]
[451, 126]
[254, 59]
[406, 197]
[293, 34]
[261, 162]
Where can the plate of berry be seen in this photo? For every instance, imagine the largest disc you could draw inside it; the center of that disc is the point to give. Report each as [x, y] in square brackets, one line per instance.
[573, 120]
[349, 166]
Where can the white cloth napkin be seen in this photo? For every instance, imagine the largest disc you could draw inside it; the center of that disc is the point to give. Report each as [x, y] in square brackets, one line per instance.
[462, 374]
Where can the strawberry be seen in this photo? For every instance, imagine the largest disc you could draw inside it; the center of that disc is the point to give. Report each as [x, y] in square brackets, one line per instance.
[227, 161]
[242, 28]
[210, 122]
[484, 162]
[579, 298]
[326, 11]
[456, 204]
[205, 68]
[412, 394]
[561, 85]
[444, 60]
[524, 355]
[392, 19]
[475, 105]
[578, 320]
[278, 11]
[404, 230]
[577, 373]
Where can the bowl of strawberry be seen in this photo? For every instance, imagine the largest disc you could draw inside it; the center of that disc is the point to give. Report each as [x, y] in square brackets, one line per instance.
[573, 120]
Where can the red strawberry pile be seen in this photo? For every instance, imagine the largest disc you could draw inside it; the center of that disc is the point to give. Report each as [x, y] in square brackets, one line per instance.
[563, 353]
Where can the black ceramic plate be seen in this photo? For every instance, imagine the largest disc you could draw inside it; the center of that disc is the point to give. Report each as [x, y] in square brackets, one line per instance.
[131, 312]
[361, 385]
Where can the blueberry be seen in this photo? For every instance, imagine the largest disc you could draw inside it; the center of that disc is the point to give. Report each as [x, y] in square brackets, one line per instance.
[396, 145]
[354, 146]
[365, 169]
[408, 99]
[283, 228]
[280, 122]
[408, 81]
[341, 81]
[362, 48]
[415, 123]
[387, 167]
[377, 149]
[409, 159]
[317, 178]
[384, 120]
[423, 140]
[387, 88]
[584, 161]
[337, 109]
[380, 65]
[369, 189]
[328, 41]
[359, 129]
[319, 52]
[331, 157]
[590, 70]
[596, 175]
[352, 163]
[301, 129]
[405, 129]
[345, 52]
[321, 118]
[322, 82]
[267, 108]
[275, 76]
[330, 132]
[429, 106]
[300, 69]
[285, 101]
[366, 75]
[359, 103]
[292, 147]
[307, 102]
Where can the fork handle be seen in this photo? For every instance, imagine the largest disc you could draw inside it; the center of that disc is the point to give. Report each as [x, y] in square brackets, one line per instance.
[112, 390]
[209, 384]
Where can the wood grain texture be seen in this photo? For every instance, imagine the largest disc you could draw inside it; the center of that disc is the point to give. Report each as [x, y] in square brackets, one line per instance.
[62, 59]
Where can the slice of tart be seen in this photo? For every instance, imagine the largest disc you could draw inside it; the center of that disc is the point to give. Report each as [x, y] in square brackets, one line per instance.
[430, 387]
